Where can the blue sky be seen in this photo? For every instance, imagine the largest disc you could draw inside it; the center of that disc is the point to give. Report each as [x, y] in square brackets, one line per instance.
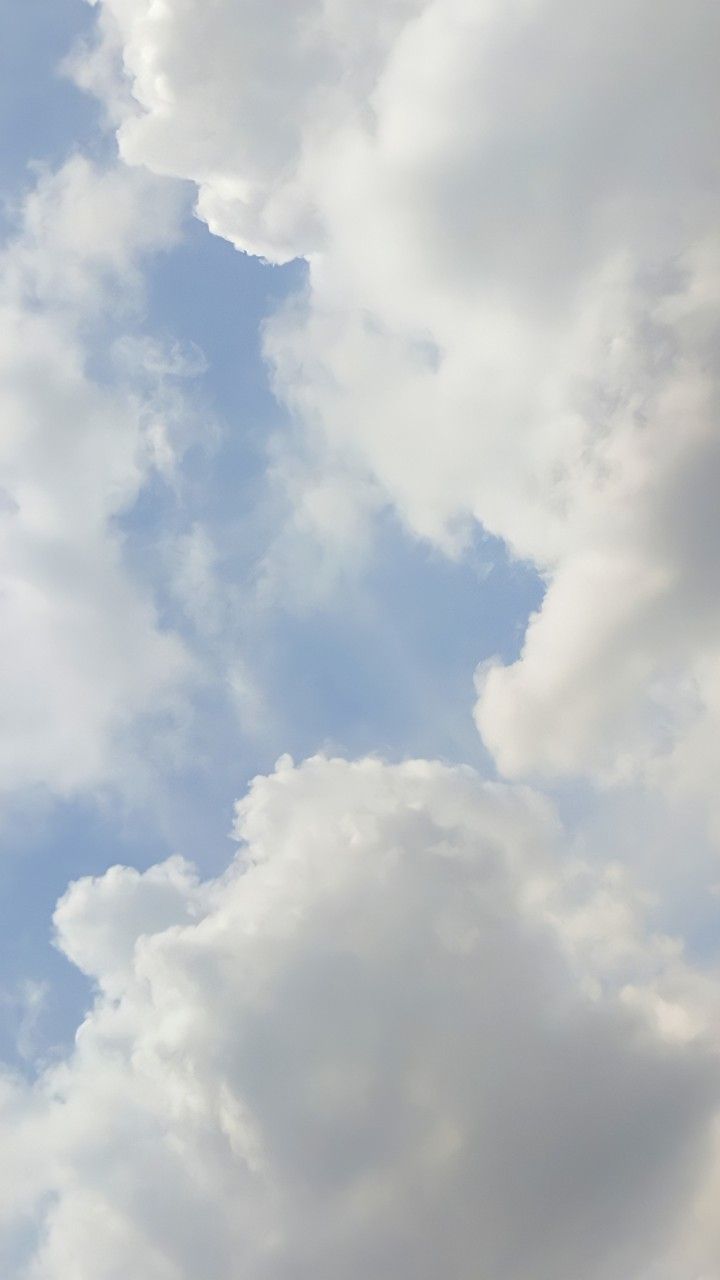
[43, 112]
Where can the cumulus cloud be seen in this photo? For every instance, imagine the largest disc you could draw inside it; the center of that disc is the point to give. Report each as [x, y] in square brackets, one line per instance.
[407, 1032]
[82, 652]
[510, 216]
[400, 1034]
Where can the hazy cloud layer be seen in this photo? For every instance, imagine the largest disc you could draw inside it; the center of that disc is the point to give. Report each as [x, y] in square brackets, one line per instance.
[401, 1034]
[84, 424]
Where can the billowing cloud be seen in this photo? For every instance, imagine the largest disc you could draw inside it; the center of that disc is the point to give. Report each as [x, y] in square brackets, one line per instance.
[510, 216]
[82, 652]
[407, 1032]
[400, 1034]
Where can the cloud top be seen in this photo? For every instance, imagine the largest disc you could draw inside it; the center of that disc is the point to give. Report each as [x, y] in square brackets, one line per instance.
[397, 1035]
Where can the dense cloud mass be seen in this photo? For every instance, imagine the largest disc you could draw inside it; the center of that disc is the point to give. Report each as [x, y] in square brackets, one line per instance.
[510, 216]
[401, 1034]
[81, 650]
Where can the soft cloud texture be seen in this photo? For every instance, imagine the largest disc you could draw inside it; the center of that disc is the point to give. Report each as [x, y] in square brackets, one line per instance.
[510, 215]
[407, 1032]
[82, 652]
[398, 1035]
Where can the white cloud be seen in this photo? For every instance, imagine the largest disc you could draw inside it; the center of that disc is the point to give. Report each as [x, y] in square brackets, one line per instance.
[397, 1035]
[216, 96]
[510, 213]
[82, 652]
[406, 1033]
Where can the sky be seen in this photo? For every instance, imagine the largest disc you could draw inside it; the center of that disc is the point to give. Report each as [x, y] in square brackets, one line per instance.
[360, 646]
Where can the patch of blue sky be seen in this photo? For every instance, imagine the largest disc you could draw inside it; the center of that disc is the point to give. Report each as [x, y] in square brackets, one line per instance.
[361, 668]
[382, 662]
[386, 663]
[45, 844]
[205, 295]
[44, 115]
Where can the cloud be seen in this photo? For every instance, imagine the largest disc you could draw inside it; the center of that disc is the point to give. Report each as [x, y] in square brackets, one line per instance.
[407, 1032]
[510, 216]
[400, 1033]
[212, 94]
[82, 651]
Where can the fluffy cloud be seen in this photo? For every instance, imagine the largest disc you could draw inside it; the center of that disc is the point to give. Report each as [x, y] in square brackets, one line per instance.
[230, 96]
[399, 1035]
[510, 215]
[406, 1032]
[82, 652]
